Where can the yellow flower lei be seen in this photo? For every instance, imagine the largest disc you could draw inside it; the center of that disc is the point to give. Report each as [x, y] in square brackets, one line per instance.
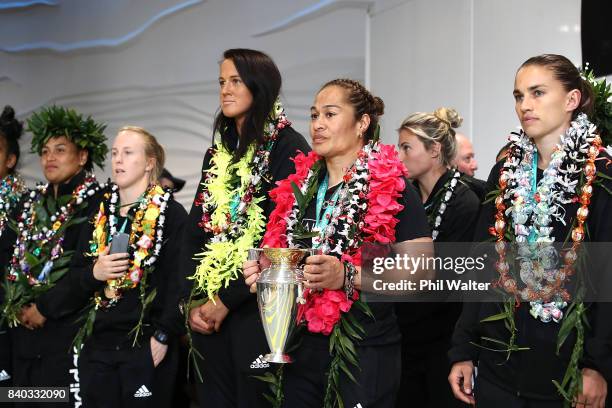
[222, 258]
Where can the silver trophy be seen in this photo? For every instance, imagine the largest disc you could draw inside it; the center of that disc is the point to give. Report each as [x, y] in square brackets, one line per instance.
[279, 292]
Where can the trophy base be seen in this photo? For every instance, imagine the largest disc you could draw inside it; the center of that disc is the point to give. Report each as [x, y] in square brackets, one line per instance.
[279, 358]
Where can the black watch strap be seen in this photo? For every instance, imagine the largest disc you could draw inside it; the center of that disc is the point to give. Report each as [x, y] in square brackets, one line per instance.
[161, 336]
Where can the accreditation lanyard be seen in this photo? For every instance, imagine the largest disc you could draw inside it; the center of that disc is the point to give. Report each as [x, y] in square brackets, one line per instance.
[534, 188]
[323, 220]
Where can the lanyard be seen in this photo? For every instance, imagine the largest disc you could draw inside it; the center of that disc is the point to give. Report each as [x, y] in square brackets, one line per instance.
[234, 207]
[534, 188]
[322, 221]
[124, 225]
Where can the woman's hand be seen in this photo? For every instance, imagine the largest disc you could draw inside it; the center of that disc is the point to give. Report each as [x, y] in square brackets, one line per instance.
[594, 390]
[110, 266]
[197, 322]
[158, 351]
[323, 272]
[460, 379]
[214, 312]
[31, 318]
[251, 272]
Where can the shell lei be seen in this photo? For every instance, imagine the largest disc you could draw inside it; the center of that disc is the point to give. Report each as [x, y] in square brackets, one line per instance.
[560, 185]
[231, 210]
[365, 214]
[569, 178]
[11, 189]
[447, 195]
[39, 259]
[145, 243]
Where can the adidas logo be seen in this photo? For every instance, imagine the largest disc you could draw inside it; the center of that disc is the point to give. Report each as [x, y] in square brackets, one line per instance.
[4, 375]
[260, 363]
[143, 392]
[358, 405]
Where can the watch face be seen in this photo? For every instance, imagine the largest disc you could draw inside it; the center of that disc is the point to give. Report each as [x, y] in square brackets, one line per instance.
[161, 337]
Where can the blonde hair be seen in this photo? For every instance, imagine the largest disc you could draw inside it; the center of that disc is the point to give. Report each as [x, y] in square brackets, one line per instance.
[152, 150]
[438, 126]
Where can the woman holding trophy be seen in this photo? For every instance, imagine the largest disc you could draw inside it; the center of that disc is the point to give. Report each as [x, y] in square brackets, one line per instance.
[352, 192]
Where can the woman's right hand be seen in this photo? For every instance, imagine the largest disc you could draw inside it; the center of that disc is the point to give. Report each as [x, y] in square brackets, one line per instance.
[110, 266]
[460, 379]
[251, 271]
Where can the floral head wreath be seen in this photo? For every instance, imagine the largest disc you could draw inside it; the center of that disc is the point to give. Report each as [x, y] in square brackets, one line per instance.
[602, 112]
[57, 121]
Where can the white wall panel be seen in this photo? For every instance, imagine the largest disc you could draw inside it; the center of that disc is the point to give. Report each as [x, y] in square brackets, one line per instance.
[464, 54]
[154, 63]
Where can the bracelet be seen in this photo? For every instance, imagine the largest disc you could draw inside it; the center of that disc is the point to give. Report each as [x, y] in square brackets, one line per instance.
[161, 337]
[349, 279]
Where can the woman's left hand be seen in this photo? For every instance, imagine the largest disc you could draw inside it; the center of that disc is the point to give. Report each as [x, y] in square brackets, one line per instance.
[31, 318]
[323, 272]
[158, 351]
[594, 390]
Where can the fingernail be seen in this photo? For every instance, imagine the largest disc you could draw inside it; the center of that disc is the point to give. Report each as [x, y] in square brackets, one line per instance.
[468, 391]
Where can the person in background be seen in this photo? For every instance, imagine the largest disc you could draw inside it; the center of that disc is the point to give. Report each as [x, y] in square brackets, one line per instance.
[167, 180]
[427, 146]
[465, 161]
[11, 189]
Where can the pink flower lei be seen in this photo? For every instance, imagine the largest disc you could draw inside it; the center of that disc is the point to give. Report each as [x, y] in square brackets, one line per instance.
[372, 188]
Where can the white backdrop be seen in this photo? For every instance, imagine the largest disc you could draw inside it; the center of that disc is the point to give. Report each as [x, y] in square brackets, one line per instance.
[464, 54]
[154, 63]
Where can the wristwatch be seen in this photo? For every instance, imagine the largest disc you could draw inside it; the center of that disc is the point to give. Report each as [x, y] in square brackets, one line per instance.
[161, 336]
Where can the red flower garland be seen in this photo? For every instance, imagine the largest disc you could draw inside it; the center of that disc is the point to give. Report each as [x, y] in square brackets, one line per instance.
[386, 184]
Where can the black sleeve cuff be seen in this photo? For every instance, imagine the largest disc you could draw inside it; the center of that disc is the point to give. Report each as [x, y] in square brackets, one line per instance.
[89, 283]
[235, 294]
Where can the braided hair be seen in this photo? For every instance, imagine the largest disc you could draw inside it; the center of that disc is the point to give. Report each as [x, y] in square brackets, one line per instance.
[11, 130]
[362, 101]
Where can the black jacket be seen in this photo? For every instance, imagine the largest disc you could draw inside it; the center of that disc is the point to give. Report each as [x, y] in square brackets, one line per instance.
[423, 323]
[112, 325]
[530, 373]
[61, 303]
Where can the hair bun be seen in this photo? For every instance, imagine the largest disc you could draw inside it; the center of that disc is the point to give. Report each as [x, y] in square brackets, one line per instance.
[378, 106]
[8, 114]
[9, 126]
[449, 116]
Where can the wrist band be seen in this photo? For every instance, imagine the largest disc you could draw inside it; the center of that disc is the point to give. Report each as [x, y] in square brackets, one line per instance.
[161, 337]
[349, 279]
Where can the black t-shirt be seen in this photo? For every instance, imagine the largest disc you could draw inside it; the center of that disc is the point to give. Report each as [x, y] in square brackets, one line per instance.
[412, 224]
[531, 372]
